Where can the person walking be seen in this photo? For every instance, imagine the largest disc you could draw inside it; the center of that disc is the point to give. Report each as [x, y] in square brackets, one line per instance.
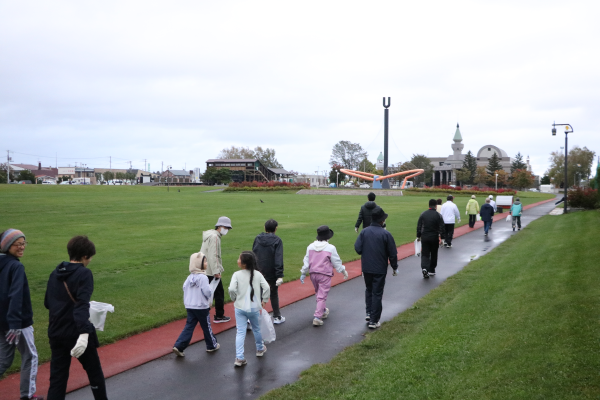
[438, 207]
[516, 210]
[493, 204]
[449, 214]
[472, 211]
[196, 295]
[320, 260]
[268, 248]
[70, 331]
[430, 232]
[377, 249]
[211, 248]
[16, 313]
[245, 289]
[364, 215]
[487, 215]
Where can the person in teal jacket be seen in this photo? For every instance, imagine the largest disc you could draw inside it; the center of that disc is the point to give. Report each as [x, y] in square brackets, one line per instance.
[516, 210]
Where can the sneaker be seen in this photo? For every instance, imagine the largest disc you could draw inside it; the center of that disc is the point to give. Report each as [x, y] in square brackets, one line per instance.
[249, 326]
[278, 320]
[317, 322]
[485, 234]
[374, 325]
[239, 363]
[260, 353]
[220, 320]
[325, 314]
[425, 273]
[519, 228]
[217, 347]
[431, 273]
[178, 352]
[368, 317]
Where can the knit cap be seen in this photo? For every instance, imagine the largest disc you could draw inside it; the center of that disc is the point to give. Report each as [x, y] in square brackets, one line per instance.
[8, 238]
[196, 263]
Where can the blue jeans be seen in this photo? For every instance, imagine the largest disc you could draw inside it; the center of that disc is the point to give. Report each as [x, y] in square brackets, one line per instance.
[241, 322]
[486, 226]
[195, 317]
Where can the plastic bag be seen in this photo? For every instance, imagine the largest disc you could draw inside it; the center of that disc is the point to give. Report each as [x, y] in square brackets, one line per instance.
[478, 217]
[417, 248]
[509, 218]
[98, 313]
[213, 287]
[267, 330]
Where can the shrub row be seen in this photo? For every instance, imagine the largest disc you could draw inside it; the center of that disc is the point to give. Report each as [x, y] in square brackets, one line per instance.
[449, 189]
[263, 188]
[584, 198]
[277, 184]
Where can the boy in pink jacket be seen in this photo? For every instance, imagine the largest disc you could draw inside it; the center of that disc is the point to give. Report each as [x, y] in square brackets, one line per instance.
[320, 260]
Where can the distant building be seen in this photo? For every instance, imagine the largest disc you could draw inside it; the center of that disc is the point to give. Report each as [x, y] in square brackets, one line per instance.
[313, 180]
[248, 170]
[379, 164]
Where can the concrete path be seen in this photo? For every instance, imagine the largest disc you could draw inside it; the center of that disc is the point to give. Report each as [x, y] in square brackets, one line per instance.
[299, 345]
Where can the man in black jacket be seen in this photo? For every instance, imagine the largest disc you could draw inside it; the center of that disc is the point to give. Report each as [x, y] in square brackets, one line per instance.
[16, 314]
[268, 248]
[430, 231]
[376, 247]
[70, 331]
[364, 215]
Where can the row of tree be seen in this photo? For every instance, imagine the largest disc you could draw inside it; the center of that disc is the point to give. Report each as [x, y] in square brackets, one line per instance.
[579, 167]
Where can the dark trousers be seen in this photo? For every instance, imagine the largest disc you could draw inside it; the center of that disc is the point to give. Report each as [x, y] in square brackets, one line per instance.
[373, 295]
[472, 220]
[449, 233]
[61, 362]
[195, 317]
[274, 298]
[429, 254]
[516, 220]
[219, 297]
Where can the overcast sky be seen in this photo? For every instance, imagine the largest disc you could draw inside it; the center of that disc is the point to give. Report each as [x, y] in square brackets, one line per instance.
[177, 81]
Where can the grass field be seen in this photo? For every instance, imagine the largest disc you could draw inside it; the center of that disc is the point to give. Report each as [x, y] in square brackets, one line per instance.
[145, 235]
[519, 323]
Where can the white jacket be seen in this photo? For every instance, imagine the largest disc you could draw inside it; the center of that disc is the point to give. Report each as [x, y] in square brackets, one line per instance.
[493, 204]
[239, 290]
[321, 258]
[450, 212]
[196, 292]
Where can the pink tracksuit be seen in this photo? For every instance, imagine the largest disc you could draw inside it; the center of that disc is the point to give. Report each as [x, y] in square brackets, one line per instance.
[320, 260]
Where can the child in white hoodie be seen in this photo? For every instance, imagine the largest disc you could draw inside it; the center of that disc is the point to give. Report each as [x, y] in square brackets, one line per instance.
[320, 260]
[196, 296]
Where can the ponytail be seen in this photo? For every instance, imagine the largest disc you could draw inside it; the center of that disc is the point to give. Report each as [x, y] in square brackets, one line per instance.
[248, 259]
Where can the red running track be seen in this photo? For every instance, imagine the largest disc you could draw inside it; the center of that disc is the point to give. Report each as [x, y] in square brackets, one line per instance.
[139, 349]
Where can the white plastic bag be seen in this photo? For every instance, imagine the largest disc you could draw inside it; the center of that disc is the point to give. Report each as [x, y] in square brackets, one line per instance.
[213, 287]
[478, 217]
[98, 313]
[267, 329]
[417, 248]
[509, 218]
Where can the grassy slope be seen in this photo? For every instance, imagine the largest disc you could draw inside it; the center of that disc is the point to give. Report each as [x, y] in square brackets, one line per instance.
[519, 323]
[145, 235]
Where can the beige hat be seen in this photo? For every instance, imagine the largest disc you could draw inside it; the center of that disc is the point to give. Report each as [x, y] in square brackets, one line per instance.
[473, 196]
[196, 263]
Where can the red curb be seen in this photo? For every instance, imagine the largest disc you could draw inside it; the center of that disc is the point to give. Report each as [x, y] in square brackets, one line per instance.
[139, 349]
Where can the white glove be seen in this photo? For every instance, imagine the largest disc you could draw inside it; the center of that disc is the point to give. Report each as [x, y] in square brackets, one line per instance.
[356, 230]
[345, 273]
[80, 346]
[13, 335]
[302, 278]
[279, 281]
[395, 273]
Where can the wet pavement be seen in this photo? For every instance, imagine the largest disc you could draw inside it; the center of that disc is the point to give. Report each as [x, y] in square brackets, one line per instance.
[201, 375]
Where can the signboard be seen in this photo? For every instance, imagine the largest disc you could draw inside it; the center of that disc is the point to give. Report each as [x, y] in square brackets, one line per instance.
[66, 171]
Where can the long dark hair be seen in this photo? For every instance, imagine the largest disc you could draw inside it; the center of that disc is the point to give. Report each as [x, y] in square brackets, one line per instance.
[248, 260]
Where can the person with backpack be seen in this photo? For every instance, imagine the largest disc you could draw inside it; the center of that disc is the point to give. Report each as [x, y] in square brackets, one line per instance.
[245, 291]
[268, 248]
[320, 260]
[196, 297]
[70, 331]
[516, 210]
[16, 313]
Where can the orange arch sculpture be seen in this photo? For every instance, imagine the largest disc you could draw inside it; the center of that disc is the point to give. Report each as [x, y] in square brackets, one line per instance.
[372, 177]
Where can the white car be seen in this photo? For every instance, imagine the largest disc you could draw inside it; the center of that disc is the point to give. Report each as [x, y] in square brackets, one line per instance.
[47, 183]
[349, 185]
[365, 186]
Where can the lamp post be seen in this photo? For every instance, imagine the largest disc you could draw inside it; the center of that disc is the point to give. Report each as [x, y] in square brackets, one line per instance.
[496, 182]
[568, 129]
[84, 173]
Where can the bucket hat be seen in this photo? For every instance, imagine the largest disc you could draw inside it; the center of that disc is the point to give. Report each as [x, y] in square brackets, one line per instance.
[324, 233]
[378, 214]
[224, 221]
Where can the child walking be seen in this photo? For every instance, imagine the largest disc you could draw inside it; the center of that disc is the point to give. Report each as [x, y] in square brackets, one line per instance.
[244, 290]
[196, 296]
[320, 260]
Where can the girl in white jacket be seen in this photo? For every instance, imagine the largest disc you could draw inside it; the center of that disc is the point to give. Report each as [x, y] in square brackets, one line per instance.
[245, 291]
[196, 296]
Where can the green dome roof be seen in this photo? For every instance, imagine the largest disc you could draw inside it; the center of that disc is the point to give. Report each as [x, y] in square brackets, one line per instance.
[457, 136]
[380, 158]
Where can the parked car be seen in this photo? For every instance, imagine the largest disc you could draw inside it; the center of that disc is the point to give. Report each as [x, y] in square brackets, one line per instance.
[332, 185]
[365, 186]
[349, 185]
[66, 183]
[47, 183]
[25, 182]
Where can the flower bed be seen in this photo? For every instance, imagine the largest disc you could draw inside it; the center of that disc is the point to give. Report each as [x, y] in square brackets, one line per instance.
[265, 186]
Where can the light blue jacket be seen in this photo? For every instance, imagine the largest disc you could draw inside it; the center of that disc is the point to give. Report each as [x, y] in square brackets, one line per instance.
[516, 209]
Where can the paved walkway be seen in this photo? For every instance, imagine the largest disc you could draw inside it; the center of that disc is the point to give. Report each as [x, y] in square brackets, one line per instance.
[298, 344]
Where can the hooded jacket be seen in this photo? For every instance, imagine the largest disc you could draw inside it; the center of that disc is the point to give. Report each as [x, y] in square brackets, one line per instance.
[516, 209]
[69, 319]
[321, 258]
[364, 215]
[211, 247]
[487, 212]
[15, 300]
[268, 248]
[376, 247]
[472, 207]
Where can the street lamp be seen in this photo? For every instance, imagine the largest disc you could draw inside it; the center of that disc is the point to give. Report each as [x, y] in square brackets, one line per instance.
[84, 165]
[337, 179]
[568, 129]
[496, 181]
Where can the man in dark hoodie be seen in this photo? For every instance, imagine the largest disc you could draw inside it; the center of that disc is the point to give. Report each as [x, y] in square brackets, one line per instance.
[16, 314]
[71, 333]
[268, 248]
[430, 232]
[366, 210]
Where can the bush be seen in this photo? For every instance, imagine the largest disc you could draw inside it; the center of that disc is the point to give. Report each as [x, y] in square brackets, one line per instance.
[583, 198]
[265, 186]
[473, 190]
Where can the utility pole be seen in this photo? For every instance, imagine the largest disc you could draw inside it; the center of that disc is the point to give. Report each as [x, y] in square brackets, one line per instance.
[385, 184]
[145, 168]
[7, 166]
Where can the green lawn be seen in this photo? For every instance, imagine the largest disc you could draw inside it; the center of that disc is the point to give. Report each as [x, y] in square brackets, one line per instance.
[145, 235]
[519, 323]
